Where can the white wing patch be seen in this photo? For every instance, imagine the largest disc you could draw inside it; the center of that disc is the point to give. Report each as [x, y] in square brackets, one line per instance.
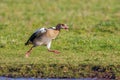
[53, 27]
[41, 30]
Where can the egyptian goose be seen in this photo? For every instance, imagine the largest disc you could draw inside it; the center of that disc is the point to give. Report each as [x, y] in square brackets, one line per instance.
[44, 36]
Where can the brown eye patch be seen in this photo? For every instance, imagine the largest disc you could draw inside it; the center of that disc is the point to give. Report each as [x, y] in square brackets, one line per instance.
[63, 24]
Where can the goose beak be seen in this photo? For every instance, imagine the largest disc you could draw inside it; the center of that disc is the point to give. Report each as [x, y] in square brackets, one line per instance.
[66, 28]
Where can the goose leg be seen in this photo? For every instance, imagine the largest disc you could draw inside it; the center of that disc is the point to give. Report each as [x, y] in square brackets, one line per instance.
[55, 51]
[29, 51]
[48, 47]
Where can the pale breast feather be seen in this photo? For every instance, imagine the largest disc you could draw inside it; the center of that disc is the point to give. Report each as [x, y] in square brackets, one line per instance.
[52, 33]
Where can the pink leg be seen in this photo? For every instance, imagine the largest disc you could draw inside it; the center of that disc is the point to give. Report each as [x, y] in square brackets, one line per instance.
[55, 51]
[28, 52]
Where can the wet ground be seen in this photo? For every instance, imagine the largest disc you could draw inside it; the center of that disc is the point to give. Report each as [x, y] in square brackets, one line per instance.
[6, 78]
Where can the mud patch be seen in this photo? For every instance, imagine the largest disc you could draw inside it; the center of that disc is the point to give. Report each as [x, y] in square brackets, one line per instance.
[59, 71]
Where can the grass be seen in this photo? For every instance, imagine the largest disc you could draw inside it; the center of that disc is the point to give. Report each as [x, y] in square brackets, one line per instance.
[93, 37]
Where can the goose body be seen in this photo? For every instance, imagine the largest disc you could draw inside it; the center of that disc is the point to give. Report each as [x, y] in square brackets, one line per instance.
[44, 36]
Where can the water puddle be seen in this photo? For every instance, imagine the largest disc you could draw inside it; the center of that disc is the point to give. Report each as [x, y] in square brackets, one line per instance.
[6, 78]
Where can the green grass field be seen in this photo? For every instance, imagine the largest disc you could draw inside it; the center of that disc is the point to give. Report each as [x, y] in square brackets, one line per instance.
[93, 36]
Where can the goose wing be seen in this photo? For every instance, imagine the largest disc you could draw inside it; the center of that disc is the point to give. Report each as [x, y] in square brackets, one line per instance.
[37, 33]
